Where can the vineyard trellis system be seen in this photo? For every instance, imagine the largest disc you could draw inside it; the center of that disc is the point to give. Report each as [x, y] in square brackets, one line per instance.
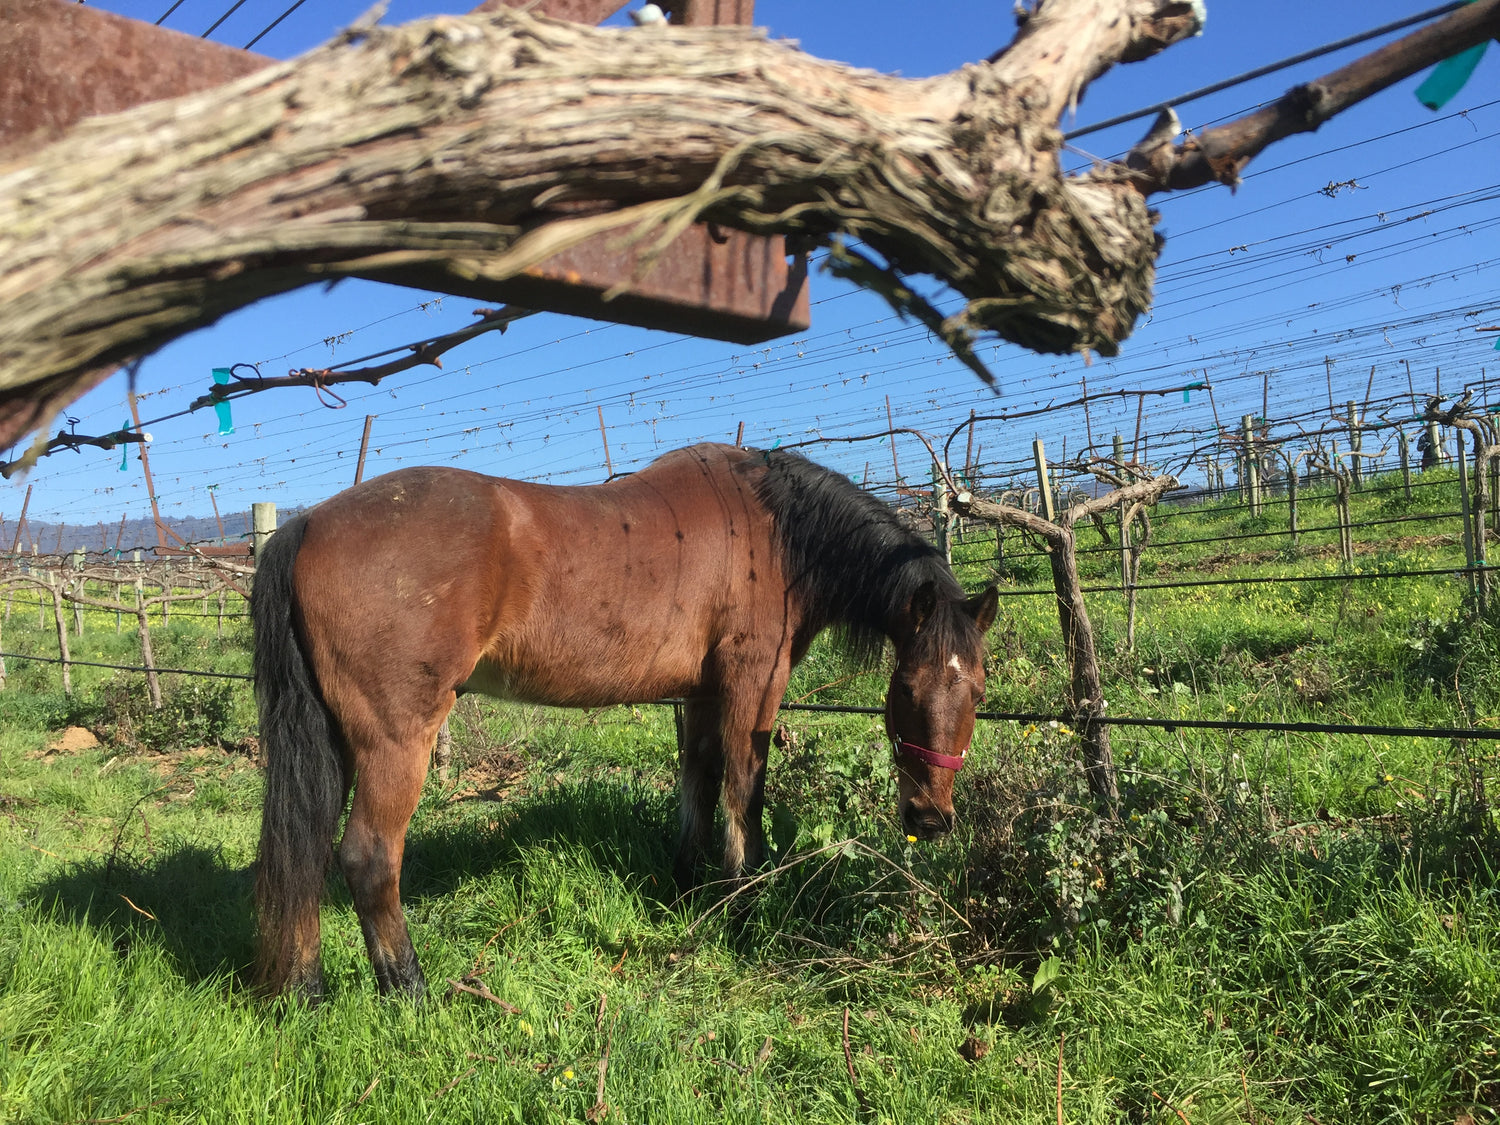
[62, 580]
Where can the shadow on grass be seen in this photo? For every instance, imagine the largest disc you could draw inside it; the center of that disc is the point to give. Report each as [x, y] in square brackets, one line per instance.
[628, 830]
[198, 908]
[185, 899]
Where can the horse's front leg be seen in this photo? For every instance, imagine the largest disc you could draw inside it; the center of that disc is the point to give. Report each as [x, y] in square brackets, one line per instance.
[748, 720]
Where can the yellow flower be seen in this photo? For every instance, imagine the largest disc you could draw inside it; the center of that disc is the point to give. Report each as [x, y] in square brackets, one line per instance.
[568, 1073]
[1229, 707]
[526, 1028]
[911, 839]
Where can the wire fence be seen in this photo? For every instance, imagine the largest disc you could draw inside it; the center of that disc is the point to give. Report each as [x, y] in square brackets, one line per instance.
[195, 585]
[197, 588]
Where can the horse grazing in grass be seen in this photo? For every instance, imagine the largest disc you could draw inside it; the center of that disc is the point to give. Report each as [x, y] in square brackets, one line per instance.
[705, 575]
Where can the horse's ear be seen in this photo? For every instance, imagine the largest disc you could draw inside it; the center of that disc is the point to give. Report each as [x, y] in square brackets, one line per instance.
[923, 603]
[983, 607]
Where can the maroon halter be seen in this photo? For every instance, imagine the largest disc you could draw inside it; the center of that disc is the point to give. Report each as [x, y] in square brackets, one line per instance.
[931, 757]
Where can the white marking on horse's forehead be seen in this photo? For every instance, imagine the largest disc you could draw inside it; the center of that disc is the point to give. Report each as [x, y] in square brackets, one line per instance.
[956, 664]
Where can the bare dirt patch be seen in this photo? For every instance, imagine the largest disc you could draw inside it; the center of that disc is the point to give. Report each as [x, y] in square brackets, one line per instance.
[73, 740]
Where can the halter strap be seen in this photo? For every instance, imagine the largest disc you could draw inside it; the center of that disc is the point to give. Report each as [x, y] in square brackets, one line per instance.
[931, 757]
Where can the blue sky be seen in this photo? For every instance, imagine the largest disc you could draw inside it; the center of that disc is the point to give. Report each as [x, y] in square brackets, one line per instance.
[1370, 244]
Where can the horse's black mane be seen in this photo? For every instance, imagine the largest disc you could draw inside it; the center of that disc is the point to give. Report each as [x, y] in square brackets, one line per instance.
[852, 563]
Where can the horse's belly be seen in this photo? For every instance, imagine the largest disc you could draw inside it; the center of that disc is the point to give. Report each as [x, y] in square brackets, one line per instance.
[593, 675]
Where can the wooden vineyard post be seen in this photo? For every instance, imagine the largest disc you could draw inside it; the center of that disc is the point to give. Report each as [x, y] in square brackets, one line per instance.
[1473, 550]
[55, 587]
[1356, 443]
[1251, 465]
[1127, 576]
[1494, 467]
[1463, 511]
[364, 448]
[1044, 486]
[263, 518]
[1291, 499]
[1478, 514]
[1401, 446]
[942, 517]
[442, 753]
[82, 581]
[143, 630]
[221, 612]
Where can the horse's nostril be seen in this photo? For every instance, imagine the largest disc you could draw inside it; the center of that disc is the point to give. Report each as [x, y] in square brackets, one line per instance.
[927, 824]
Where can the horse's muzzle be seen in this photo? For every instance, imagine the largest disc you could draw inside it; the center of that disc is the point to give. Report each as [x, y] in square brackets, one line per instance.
[926, 824]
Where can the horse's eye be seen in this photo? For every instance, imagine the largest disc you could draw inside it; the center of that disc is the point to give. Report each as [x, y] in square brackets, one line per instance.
[907, 691]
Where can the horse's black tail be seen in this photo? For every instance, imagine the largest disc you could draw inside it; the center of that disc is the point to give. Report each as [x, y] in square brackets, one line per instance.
[305, 782]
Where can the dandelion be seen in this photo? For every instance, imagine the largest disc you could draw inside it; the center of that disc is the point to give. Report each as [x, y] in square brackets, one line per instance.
[911, 839]
[1230, 708]
[1389, 778]
[568, 1074]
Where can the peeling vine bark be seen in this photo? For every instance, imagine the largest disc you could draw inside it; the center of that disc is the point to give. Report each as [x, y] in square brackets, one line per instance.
[482, 145]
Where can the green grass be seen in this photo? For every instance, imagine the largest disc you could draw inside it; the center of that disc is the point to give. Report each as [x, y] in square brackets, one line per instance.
[1280, 927]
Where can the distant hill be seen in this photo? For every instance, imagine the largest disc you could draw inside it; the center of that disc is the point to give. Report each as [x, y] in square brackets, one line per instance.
[139, 534]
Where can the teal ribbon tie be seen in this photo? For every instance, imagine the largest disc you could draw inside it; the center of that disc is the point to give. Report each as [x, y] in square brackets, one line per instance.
[1449, 76]
[221, 408]
[125, 446]
[1187, 391]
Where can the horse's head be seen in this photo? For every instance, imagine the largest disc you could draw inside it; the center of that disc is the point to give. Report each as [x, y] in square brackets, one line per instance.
[934, 692]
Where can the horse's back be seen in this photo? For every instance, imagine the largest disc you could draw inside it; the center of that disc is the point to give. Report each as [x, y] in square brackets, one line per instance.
[580, 594]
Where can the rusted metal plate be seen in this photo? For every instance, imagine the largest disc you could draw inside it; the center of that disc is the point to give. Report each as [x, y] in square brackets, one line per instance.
[725, 285]
[60, 62]
[713, 13]
[741, 289]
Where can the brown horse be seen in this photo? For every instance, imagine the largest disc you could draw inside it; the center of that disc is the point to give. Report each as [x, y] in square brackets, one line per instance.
[706, 575]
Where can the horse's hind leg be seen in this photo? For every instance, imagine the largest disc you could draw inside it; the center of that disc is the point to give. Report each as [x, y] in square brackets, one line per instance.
[702, 766]
[388, 785]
